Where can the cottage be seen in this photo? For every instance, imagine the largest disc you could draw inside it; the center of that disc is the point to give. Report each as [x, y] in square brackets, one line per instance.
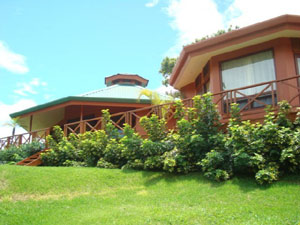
[254, 66]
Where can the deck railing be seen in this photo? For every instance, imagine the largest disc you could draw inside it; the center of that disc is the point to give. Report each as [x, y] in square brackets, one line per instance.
[25, 138]
[267, 93]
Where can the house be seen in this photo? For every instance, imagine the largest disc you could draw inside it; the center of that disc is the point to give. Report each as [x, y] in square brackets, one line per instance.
[254, 66]
[121, 94]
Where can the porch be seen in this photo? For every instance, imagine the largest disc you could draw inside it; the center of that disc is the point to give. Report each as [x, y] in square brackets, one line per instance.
[251, 107]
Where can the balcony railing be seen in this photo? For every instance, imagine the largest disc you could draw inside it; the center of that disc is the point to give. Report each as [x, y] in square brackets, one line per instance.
[269, 94]
[25, 138]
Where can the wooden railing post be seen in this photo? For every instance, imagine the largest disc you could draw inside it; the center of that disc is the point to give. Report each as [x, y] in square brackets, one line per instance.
[127, 119]
[65, 130]
[20, 139]
[8, 142]
[33, 135]
[82, 127]
[47, 132]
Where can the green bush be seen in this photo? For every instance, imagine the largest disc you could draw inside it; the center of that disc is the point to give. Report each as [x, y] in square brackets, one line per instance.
[215, 166]
[70, 163]
[175, 161]
[268, 175]
[131, 144]
[153, 163]
[60, 149]
[104, 164]
[290, 156]
[17, 153]
[197, 133]
[93, 145]
[113, 153]
[155, 127]
[262, 150]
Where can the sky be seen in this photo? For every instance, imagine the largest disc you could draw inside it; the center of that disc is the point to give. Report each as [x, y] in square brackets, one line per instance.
[51, 49]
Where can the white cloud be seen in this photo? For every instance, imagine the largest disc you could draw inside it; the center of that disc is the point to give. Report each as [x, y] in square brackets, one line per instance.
[163, 90]
[152, 3]
[11, 61]
[8, 109]
[192, 19]
[195, 19]
[28, 88]
[245, 12]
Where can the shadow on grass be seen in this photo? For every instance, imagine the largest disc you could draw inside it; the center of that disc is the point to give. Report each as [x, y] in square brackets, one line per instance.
[153, 177]
[245, 183]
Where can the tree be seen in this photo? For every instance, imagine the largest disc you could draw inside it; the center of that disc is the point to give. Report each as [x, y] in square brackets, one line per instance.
[14, 123]
[166, 68]
[218, 33]
[154, 97]
[168, 64]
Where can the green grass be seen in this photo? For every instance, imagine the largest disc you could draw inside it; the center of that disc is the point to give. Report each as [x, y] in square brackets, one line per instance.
[44, 195]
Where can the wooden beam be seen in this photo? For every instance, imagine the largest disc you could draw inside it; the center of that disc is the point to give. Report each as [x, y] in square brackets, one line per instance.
[30, 123]
[81, 112]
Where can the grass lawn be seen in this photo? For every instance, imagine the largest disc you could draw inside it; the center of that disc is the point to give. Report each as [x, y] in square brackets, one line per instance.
[45, 195]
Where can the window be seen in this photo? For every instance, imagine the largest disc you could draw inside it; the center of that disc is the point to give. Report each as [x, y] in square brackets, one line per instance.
[298, 64]
[248, 70]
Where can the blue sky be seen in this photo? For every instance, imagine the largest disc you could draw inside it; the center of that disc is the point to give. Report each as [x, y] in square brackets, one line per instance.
[52, 49]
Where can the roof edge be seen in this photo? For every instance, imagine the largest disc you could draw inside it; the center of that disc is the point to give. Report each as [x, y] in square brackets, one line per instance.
[257, 27]
[77, 98]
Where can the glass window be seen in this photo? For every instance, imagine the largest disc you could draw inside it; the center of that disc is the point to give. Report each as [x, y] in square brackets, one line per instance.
[298, 64]
[248, 70]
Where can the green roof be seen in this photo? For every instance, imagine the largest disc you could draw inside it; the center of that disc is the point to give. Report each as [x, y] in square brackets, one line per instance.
[115, 93]
[79, 98]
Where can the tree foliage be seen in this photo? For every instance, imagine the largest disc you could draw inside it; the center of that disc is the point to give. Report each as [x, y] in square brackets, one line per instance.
[166, 68]
[14, 123]
[168, 63]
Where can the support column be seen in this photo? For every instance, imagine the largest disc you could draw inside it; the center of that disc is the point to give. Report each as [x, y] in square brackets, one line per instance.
[81, 112]
[285, 67]
[30, 123]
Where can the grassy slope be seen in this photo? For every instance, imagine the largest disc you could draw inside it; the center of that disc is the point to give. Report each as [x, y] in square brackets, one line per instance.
[42, 195]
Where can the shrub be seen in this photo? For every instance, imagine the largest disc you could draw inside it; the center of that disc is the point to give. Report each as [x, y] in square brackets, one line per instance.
[290, 156]
[113, 153]
[70, 163]
[11, 154]
[174, 161]
[215, 166]
[131, 149]
[17, 153]
[261, 150]
[153, 163]
[110, 130]
[155, 127]
[60, 149]
[267, 175]
[134, 164]
[92, 145]
[104, 164]
[197, 134]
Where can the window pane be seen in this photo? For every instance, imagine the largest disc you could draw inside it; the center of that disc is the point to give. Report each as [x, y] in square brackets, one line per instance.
[248, 70]
[298, 62]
